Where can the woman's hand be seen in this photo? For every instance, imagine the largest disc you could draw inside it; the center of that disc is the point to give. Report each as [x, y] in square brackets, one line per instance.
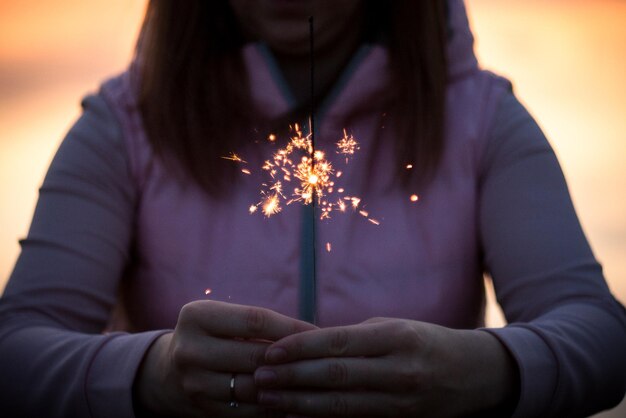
[188, 372]
[388, 367]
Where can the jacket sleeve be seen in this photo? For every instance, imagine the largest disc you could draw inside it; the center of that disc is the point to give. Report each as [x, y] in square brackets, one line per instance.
[55, 360]
[566, 331]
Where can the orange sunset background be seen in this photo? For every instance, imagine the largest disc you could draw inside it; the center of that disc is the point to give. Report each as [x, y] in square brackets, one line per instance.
[567, 59]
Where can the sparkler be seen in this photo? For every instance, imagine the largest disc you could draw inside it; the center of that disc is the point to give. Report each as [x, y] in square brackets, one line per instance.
[298, 172]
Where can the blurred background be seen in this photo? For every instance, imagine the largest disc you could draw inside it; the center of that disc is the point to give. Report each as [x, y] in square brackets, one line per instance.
[566, 58]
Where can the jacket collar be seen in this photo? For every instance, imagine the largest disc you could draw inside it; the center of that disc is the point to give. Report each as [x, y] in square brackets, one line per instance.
[365, 79]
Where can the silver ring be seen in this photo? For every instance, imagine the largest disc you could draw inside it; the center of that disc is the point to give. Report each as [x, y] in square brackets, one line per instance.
[233, 398]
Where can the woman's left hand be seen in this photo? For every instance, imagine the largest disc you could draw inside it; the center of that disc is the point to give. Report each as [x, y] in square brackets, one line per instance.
[387, 367]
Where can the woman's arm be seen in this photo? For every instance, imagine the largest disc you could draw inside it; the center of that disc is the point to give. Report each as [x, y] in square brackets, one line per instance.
[566, 331]
[54, 361]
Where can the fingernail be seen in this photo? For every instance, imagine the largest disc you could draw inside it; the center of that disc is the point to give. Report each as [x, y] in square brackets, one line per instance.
[276, 355]
[269, 398]
[265, 377]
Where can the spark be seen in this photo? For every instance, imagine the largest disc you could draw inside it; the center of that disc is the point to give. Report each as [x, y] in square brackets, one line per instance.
[409, 166]
[374, 221]
[347, 145]
[414, 198]
[328, 247]
[271, 205]
[208, 291]
[235, 157]
[297, 172]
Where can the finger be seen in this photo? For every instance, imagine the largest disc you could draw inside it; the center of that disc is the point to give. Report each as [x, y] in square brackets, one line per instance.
[217, 387]
[336, 373]
[242, 410]
[219, 354]
[377, 319]
[341, 404]
[230, 320]
[349, 341]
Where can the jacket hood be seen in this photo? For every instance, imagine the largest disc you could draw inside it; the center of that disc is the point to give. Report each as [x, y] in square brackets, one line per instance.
[460, 50]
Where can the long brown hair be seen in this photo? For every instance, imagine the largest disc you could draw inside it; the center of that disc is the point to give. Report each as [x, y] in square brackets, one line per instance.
[193, 91]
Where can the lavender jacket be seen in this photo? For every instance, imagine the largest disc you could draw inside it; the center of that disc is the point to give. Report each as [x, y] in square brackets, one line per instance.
[117, 243]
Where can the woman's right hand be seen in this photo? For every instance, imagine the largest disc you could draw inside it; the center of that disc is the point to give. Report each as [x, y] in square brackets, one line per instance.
[188, 372]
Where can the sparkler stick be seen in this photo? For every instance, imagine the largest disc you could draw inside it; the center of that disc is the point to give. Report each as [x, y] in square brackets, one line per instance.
[312, 65]
[308, 288]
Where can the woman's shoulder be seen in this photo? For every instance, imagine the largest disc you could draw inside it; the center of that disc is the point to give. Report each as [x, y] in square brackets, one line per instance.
[513, 133]
[93, 149]
[121, 90]
[98, 118]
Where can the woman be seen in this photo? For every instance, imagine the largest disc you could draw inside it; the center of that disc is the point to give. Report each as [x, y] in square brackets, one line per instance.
[140, 213]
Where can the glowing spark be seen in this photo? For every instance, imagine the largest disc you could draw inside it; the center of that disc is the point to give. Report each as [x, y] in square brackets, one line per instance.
[271, 205]
[409, 166]
[298, 173]
[347, 145]
[328, 246]
[414, 198]
[364, 213]
[374, 221]
[314, 178]
[235, 157]
[277, 188]
[208, 291]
